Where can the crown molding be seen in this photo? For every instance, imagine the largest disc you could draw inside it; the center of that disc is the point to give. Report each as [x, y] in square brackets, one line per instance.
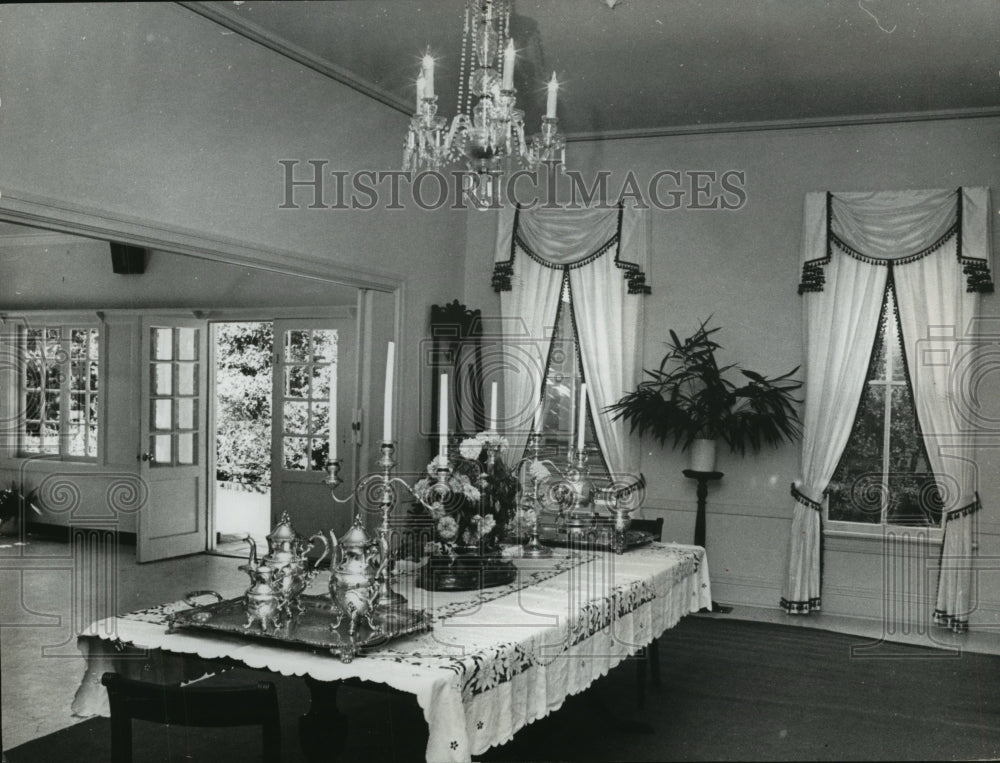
[232, 21]
[900, 117]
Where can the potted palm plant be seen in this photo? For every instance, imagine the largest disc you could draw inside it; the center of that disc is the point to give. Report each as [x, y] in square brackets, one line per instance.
[690, 400]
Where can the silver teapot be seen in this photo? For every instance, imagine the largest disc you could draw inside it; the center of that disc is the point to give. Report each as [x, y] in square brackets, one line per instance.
[265, 604]
[287, 555]
[354, 575]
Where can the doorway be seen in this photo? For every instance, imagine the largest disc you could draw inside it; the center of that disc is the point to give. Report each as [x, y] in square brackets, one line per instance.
[242, 353]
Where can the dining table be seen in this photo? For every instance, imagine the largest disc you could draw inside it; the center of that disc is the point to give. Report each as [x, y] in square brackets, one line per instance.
[493, 660]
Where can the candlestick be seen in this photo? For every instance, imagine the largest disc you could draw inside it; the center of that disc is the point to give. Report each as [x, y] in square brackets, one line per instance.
[443, 418]
[390, 362]
[421, 89]
[508, 66]
[583, 416]
[428, 75]
[493, 408]
[550, 110]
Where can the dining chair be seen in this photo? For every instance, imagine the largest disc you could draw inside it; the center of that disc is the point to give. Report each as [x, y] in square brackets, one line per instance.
[191, 705]
[650, 661]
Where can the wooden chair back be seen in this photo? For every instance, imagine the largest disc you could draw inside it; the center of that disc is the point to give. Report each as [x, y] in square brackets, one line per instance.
[191, 705]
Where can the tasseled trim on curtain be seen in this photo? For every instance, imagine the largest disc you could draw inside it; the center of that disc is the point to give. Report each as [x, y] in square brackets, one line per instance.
[977, 271]
[504, 270]
[800, 607]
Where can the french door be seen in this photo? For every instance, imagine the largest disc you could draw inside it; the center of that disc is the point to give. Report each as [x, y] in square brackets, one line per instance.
[313, 418]
[173, 423]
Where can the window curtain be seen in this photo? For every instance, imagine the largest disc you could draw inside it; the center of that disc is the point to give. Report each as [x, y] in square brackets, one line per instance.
[936, 243]
[605, 254]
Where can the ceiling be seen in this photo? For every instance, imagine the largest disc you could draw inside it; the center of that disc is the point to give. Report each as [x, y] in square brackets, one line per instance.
[647, 67]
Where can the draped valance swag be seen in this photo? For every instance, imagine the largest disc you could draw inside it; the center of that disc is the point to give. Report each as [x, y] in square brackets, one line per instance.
[934, 245]
[602, 254]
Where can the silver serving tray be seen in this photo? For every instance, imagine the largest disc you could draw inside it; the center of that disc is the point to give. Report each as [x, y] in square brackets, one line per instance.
[309, 629]
[599, 540]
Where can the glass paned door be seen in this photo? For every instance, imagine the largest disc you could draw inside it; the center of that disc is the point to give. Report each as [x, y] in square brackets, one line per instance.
[174, 423]
[314, 409]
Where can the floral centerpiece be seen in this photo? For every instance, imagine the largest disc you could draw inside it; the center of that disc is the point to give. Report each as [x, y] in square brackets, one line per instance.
[470, 511]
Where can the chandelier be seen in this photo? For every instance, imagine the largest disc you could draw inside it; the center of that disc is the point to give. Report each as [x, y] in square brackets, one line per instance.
[488, 130]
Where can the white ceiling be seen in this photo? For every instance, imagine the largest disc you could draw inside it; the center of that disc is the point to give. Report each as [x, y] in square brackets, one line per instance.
[663, 66]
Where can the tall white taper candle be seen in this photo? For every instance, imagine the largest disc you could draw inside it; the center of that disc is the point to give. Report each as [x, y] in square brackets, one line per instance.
[583, 416]
[390, 363]
[493, 408]
[443, 418]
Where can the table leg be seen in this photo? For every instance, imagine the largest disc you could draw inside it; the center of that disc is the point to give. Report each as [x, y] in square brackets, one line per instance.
[323, 730]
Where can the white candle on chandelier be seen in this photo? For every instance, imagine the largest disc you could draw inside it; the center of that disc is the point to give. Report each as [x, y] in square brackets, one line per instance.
[428, 75]
[493, 408]
[508, 66]
[421, 89]
[583, 416]
[443, 418]
[538, 419]
[390, 364]
[550, 110]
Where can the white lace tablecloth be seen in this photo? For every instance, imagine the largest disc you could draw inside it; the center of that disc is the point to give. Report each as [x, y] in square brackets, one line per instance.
[495, 661]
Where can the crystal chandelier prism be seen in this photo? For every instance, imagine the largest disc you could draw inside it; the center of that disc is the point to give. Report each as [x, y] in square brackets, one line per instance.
[487, 133]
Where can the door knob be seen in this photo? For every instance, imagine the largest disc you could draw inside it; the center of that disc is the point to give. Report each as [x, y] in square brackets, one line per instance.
[149, 457]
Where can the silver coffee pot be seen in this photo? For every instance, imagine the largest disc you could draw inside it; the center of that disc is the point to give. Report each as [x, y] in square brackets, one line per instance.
[354, 573]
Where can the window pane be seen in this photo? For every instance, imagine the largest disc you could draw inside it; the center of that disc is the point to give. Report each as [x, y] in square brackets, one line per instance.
[78, 376]
[294, 452]
[187, 344]
[162, 381]
[77, 445]
[296, 381]
[186, 413]
[321, 382]
[161, 450]
[186, 448]
[915, 500]
[320, 418]
[187, 378]
[33, 376]
[324, 348]
[163, 411]
[33, 405]
[93, 344]
[296, 418]
[319, 449]
[53, 376]
[78, 343]
[163, 344]
[296, 346]
[52, 408]
[93, 376]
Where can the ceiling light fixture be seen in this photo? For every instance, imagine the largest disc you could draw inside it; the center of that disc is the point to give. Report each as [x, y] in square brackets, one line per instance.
[488, 130]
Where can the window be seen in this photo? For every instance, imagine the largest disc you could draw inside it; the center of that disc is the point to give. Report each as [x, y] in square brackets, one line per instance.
[59, 385]
[561, 390]
[884, 477]
[309, 361]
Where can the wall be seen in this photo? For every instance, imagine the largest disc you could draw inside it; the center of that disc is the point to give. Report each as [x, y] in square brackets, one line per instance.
[741, 267]
[150, 112]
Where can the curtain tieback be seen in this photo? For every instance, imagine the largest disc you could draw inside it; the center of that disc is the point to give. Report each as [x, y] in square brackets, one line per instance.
[801, 494]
